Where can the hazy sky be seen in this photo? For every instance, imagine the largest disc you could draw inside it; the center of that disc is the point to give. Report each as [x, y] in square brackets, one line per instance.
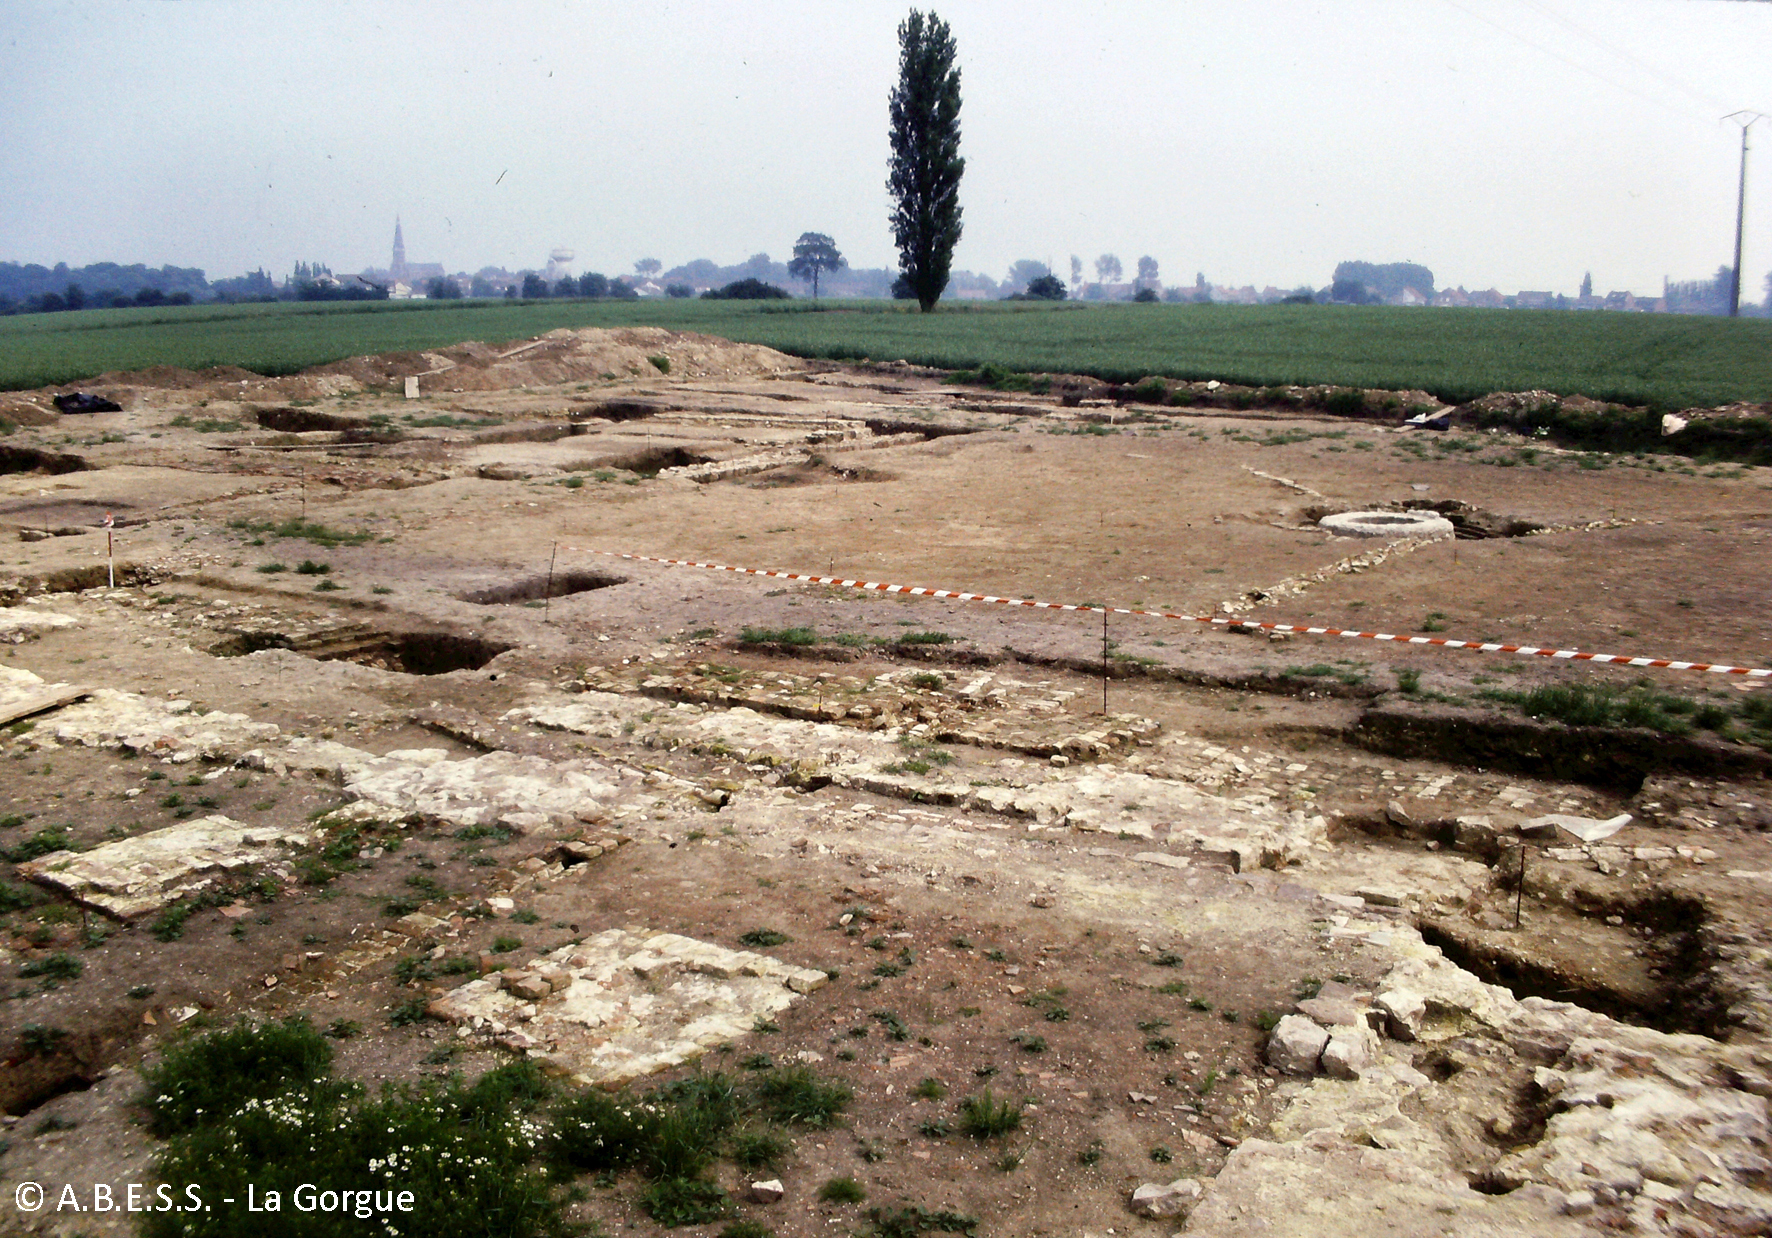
[1509, 143]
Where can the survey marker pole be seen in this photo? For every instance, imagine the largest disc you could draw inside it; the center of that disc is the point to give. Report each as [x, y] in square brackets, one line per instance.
[110, 548]
[1104, 652]
[547, 597]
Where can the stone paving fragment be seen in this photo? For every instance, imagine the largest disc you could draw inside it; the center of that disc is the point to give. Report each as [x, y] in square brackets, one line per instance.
[155, 726]
[627, 1003]
[134, 876]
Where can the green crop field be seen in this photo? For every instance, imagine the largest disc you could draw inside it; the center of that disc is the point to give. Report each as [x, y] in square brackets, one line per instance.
[1663, 360]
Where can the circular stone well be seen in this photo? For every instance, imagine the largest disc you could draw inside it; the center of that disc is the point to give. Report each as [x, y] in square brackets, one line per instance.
[1387, 524]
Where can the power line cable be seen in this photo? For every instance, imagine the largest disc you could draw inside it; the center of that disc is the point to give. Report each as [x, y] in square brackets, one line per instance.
[1630, 58]
[1557, 55]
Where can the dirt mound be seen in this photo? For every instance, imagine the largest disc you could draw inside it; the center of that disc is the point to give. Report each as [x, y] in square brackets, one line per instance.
[560, 356]
[1513, 402]
[590, 353]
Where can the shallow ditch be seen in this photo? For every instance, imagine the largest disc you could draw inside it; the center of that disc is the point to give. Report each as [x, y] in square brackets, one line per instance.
[1616, 758]
[408, 653]
[306, 420]
[1682, 997]
[35, 460]
[887, 425]
[651, 461]
[618, 410]
[536, 588]
[416, 653]
[531, 432]
[78, 580]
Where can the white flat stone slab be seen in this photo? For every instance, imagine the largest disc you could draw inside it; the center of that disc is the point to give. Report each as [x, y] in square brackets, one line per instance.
[134, 876]
[636, 1002]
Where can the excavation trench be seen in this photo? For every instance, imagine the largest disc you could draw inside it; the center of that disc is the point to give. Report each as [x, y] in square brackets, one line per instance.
[1615, 758]
[33, 460]
[650, 462]
[618, 410]
[408, 653]
[306, 420]
[886, 425]
[539, 587]
[1591, 970]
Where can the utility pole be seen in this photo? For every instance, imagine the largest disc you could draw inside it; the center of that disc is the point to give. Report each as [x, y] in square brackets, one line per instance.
[1746, 120]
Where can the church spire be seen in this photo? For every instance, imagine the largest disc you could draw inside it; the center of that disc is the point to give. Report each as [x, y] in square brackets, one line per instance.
[398, 268]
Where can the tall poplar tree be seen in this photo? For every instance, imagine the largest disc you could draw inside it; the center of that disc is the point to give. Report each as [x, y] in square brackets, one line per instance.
[926, 164]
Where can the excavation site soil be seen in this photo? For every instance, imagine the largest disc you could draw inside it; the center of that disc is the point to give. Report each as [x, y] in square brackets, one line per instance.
[374, 695]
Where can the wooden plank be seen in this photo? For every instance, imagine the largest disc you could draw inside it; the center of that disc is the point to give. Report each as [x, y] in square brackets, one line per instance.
[40, 703]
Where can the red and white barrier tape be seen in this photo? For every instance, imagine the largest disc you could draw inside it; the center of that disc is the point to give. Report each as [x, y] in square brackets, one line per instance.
[1574, 655]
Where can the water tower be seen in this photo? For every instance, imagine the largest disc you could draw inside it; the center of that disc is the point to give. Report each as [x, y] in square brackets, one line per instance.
[559, 264]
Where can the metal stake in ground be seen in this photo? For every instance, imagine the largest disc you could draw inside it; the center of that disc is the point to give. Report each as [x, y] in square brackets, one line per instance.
[304, 492]
[1520, 890]
[547, 597]
[1104, 651]
[110, 548]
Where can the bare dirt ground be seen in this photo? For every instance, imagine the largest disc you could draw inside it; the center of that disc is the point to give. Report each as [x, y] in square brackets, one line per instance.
[1099, 914]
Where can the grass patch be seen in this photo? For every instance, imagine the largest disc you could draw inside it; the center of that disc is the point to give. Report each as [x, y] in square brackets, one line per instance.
[1640, 705]
[306, 530]
[763, 938]
[465, 1152]
[778, 636]
[1668, 360]
[43, 842]
[842, 1191]
[58, 966]
[913, 1220]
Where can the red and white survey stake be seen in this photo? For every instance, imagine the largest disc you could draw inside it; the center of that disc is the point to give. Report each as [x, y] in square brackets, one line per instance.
[110, 549]
[1437, 642]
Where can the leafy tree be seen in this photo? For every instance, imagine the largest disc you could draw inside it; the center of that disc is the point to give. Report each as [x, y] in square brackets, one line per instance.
[925, 168]
[1147, 271]
[482, 287]
[1387, 279]
[1107, 269]
[679, 291]
[76, 297]
[534, 286]
[1076, 271]
[1146, 296]
[649, 267]
[567, 287]
[591, 284]
[746, 290]
[443, 289]
[1047, 287]
[815, 252]
[1025, 272]
[621, 290]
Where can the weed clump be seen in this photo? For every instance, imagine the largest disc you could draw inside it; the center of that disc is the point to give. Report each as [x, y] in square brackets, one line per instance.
[796, 1096]
[778, 636]
[842, 1191]
[209, 1077]
[763, 938]
[984, 1117]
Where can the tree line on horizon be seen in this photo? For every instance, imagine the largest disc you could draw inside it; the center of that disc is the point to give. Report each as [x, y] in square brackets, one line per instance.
[924, 173]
